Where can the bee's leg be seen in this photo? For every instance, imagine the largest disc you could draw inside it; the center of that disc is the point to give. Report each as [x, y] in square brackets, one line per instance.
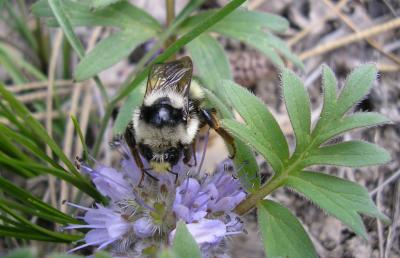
[193, 145]
[175, 174]
[210, 117]
[130, 140]
[146, 171]
[188, 153]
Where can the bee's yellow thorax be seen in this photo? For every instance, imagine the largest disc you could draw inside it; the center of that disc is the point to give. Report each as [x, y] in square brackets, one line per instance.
[160, 166]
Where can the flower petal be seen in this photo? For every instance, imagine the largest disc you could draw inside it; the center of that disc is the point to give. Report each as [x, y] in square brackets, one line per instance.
[143, 227]
[205, 232]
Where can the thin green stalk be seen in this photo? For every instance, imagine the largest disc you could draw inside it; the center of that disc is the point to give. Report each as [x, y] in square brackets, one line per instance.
[170, 17]
[185, 39]
[80, 134]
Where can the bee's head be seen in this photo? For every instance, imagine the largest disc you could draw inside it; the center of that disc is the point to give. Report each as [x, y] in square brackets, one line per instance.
[161, 112]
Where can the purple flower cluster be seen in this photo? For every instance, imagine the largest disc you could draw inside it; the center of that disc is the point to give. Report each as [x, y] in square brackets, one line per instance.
[139, 218]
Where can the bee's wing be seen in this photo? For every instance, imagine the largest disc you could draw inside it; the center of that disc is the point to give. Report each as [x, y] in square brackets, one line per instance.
[175, 76]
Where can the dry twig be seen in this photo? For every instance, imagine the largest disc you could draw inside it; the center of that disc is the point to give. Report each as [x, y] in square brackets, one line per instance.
[49, 107]
[324, 48]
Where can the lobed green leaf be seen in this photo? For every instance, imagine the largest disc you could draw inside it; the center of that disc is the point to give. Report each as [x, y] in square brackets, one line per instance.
[349, 154]
[353, 121]
[298, 107]
[329, 85]
[357, 86]
[249, 27]
[338, 197]
[244, 158]
[257, 117]
[255, 140]
[282, 233]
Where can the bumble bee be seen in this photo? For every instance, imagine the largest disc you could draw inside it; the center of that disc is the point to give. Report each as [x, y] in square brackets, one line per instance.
[164, 127]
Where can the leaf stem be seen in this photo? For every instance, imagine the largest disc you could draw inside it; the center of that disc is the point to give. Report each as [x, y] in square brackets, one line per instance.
[277, 181]
[252, 200]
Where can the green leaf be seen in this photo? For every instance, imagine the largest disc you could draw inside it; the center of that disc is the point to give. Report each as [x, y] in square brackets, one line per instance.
[109, 52]
[257, 117]
[357, 86]
[59, 12]
[340, 198]
[22, 253]
[122, 15]
[210, 61]
[125, 113]
[184, 244]
[242, 20]
[244, 159]
[41, 8]
[260, 42]
[329, 84]
[298, 107]
[255, 140]
[281, 46]
[349, 154]
[282, 233]
[354, 121]
[98, 4]
[248, 27]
